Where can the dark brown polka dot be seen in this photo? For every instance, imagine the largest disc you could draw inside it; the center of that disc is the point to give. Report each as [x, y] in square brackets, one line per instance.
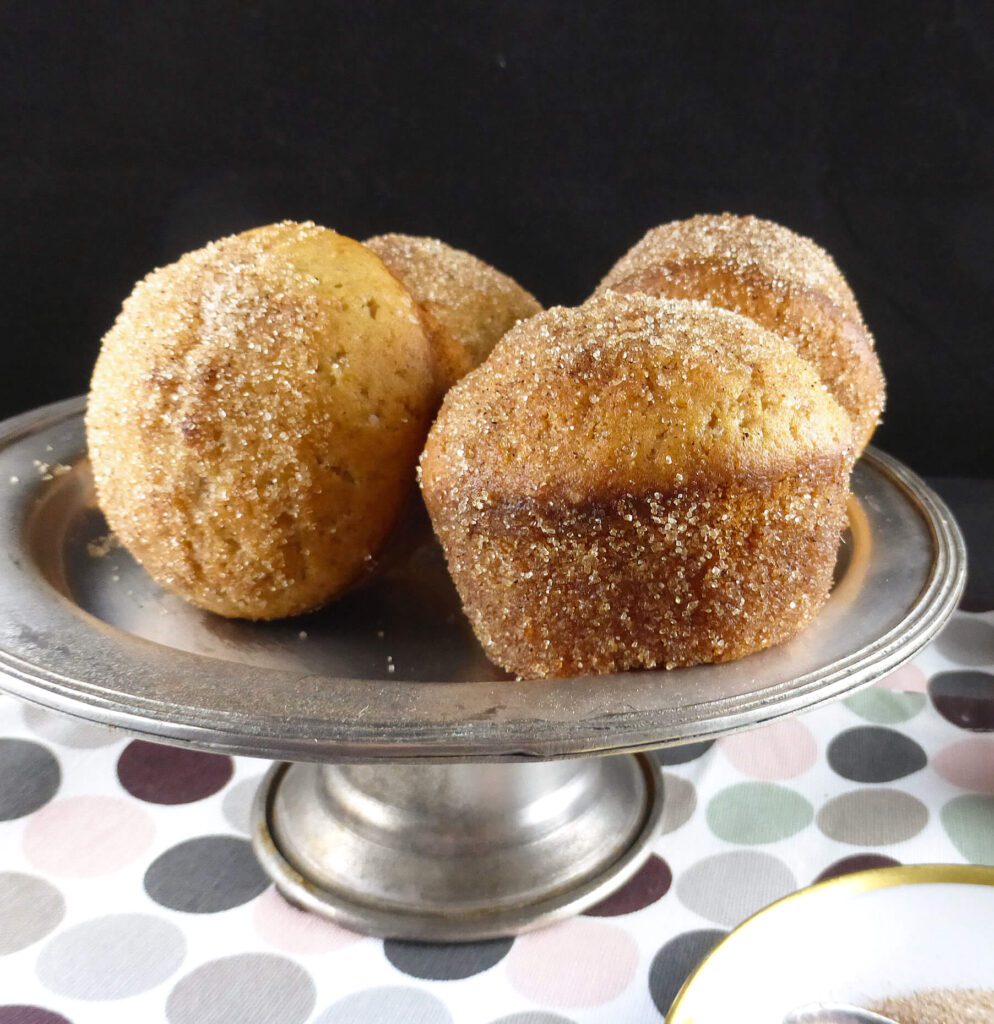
[964, 698]
[649, 884]
[857, 862]
[171, 775]
[30, 1015]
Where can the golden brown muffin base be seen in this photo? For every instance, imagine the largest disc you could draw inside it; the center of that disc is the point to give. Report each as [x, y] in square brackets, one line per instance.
[701, 575]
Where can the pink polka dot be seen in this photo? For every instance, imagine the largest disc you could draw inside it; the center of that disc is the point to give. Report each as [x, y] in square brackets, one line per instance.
[83, 836]
[582, 962]
[779, 751]
[908, 678]
[968, 764]
[296, 931]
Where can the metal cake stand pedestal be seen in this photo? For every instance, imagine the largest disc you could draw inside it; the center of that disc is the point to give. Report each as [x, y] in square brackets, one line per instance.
[420, 792]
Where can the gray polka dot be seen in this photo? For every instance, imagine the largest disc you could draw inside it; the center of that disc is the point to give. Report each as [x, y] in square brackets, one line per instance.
[679, 802]
[445, 961]
[673, 963]
[873, 817]
[66, 731]
[533, 1017]
[251, 988]
[387, 1005]
[729, 887]
[30, 776]
[205, 875]
[871, 753]
[111, 957]
[968, 641]
[237, 804]
[682, 754]
[29, 909]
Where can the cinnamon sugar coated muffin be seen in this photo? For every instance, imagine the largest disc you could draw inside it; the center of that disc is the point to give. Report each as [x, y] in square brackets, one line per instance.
[783, 281]
[466, 303]
[637, 483]
[255, 418]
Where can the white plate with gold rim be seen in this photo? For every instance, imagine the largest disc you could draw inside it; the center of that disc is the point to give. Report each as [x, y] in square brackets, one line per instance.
[858, 939]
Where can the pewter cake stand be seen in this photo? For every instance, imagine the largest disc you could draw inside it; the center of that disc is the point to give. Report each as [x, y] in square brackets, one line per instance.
[420, 791]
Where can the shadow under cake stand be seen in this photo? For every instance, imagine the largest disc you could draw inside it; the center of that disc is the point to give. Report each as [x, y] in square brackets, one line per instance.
[418, 791]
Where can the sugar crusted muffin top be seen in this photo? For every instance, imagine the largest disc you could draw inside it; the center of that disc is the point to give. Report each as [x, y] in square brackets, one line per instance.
[740, 243]
[468, 304]
[630, 394]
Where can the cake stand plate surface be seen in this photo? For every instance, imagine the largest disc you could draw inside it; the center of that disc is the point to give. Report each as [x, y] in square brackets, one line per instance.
[427, 798]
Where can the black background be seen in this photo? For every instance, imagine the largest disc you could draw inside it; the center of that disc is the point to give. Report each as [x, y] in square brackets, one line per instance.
[545, 137]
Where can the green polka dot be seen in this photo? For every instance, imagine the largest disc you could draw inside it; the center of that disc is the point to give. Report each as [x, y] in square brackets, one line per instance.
[758, 812]
[885, 707]
[969, 822]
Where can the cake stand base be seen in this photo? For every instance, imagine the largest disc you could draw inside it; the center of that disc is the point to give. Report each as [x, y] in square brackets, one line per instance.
[456, 852]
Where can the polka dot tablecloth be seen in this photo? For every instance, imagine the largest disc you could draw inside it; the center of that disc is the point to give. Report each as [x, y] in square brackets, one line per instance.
[129, 891]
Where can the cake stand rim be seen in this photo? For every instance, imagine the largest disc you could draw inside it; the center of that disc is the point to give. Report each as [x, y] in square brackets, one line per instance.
[475, 740]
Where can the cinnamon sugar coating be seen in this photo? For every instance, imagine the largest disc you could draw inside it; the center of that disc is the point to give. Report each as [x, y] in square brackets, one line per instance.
[783, 281]
[941, 1006]
[255, 418]
[638, 483]
[467, 304]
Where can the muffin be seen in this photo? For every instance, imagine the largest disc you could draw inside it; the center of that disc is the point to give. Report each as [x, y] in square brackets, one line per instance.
[783, 281]
[255, 418]
[638, 483]
[467, 304]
